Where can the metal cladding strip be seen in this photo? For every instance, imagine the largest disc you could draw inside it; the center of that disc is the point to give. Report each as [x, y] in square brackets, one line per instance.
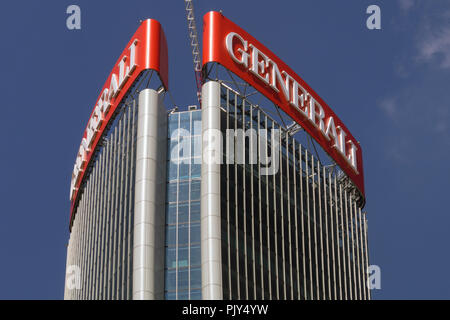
[244, 202]
[321, 233]
[149, 202]
[226, 43]
[105, 222]
[78, 242]
[349, 262]
[211, 260]
[100, 233]
[290, 223]
[366, 263]
[338, 240]
[130, 223]
[316, 255]
[115, 211]
[236, 211]
[94, 231]
[327, 240]
[78, 249]
[354, 259]
[66, 290]
[124, 198]
[114, 214]
[308, 216]
[361, 252]
[358, 256]
[302, 222]
[333, 222]
[99, 185]
[367, 255]
[118, 210]
[281, 218]
[110, 211]
[83, 239]
[122, 213]
[343, 237]
[346, 239]
[121, 205]
[147, 49]
[275, 236]
[296, 211]
[90, 226]
[86, 231]
[252, 203]
[268, 231]
[261, 217]
[228, 198]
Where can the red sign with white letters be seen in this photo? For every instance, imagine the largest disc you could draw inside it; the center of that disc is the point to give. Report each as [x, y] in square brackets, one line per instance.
[226, 43]
[147, 49]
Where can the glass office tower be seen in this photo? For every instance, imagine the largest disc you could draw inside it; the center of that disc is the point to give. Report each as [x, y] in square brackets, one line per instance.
[158, 220]
[183, 263]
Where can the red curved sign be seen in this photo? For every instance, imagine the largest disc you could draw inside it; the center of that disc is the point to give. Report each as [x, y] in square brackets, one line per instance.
[147, 49]
[226, 43]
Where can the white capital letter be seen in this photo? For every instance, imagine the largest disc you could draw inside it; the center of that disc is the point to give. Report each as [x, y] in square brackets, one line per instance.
[229, 45]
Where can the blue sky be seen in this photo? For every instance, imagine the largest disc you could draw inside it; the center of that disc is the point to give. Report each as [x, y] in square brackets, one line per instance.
[391, 87]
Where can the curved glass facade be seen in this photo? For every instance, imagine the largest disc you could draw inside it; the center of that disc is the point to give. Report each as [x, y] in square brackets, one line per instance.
[296, 233]
[100, 250]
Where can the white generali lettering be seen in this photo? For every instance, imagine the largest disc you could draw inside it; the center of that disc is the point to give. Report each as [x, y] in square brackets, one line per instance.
[266, 70]
[126, 66]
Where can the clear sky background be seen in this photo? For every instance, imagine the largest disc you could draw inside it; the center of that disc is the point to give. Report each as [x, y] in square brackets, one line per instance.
[391, 87]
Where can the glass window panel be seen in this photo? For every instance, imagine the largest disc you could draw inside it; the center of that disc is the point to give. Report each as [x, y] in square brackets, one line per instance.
[171, 257]
[185, 121]
[184, 169]
[183, 212]
[195, 255]
[195, 211]
[171, 213]
[196, 278]
[183, 279]
[183, 256]
[173, 123]
[183, 234]
[172, 170]
[173, 147]
[183, 295]
[171, 235]
[195, 190]
[196, 168]
[171, 296]
[195, 232]
[196, 294]
[171, 279]
[172, 192]
[197, 116]
[196, 145]
[184, 191]
[184, 146]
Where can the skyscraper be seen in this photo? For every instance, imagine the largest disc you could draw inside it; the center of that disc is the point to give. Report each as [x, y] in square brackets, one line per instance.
[217, 202]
